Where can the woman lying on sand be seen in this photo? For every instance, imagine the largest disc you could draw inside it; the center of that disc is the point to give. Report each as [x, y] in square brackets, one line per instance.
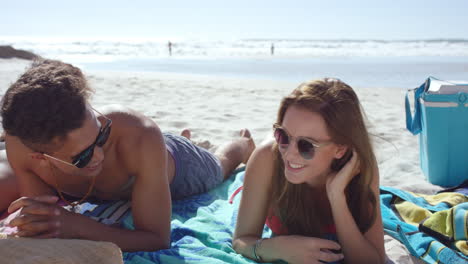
[316, 185]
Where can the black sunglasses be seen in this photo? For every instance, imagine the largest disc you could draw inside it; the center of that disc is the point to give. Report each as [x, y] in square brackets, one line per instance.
[85, 156]
[305, 146]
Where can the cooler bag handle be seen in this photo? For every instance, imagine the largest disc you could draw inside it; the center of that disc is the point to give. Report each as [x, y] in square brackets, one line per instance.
[413, 123]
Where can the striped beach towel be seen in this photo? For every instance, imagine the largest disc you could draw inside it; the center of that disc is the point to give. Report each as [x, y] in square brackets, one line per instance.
[202, 227]
[433, 227]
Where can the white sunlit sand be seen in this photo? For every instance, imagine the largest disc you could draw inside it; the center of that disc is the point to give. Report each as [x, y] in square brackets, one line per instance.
[215, 109]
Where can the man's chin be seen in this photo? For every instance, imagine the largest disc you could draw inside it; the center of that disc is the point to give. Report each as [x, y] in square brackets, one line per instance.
[93, 171]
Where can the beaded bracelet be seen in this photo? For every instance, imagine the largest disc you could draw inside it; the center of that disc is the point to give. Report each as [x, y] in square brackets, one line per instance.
[258, 258]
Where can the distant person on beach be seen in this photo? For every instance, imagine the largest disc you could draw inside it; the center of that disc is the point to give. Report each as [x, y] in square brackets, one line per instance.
[316, 185]
[169, 46]
[58, 146]
[272, 49]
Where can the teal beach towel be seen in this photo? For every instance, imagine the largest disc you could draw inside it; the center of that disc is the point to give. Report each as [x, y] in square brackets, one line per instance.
[202, 227]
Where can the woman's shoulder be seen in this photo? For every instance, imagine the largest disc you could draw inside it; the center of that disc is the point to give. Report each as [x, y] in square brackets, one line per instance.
[265, 151]
[261, 163]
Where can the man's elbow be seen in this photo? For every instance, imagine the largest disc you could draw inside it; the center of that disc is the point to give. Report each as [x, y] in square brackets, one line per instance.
[235, 244]
[166, 244]
[161, 242]
[154, 242]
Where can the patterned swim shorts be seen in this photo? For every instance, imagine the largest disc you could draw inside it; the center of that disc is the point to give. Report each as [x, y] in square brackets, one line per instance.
[196, 169]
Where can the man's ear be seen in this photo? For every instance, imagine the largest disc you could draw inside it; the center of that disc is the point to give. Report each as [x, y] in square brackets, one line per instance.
[340, 151]
[39, 157]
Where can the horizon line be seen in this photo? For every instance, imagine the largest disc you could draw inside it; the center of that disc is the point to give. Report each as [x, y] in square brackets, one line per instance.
[432, 39]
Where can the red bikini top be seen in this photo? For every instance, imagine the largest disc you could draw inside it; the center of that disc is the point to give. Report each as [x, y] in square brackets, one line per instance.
[274, 222]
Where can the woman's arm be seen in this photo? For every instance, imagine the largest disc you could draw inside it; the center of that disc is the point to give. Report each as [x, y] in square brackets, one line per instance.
[255, 203]
[357, 247]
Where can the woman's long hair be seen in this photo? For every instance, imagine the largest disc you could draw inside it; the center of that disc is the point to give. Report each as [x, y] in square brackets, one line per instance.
[339, 106]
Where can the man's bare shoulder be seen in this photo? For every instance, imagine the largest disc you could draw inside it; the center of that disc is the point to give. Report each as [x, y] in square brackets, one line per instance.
[127, 118]
[119, 111]
[114, 109]
[132, 130]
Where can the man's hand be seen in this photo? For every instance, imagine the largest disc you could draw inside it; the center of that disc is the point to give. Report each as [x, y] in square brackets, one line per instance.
[39, 217]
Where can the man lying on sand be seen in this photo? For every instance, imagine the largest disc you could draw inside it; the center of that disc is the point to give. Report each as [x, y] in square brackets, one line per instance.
[59, 146]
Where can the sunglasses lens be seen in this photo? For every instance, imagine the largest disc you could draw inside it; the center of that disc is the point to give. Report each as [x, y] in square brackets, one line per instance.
[84, 157]
[103, 136]
[281, 137]
[306, 149]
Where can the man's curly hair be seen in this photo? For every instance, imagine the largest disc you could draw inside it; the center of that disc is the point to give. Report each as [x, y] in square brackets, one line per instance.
[45, 104]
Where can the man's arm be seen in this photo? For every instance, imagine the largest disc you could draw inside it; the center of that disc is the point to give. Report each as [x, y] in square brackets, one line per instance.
[151, 200]
[20, 159]
[151, 204]
[40, 217]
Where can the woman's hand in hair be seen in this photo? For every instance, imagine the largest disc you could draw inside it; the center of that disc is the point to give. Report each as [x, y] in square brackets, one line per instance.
[310, 250]
[337, 182]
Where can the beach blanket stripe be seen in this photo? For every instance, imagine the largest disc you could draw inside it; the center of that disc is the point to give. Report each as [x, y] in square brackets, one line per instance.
[202, 227]
[432, 227]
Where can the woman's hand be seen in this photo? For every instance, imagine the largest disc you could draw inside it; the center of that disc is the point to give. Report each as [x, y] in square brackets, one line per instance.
[310, 250]
[336, 184]
[40, 217]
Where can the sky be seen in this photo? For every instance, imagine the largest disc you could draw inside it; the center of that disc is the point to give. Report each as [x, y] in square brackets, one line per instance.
[237, 19]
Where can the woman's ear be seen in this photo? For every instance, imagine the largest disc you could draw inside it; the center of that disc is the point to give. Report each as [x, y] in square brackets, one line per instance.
[342, 156]
[340, 151]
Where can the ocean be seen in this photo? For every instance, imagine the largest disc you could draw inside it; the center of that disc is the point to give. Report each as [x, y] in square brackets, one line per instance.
[361, 63]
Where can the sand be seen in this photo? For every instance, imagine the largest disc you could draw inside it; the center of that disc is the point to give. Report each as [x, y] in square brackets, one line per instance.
[215, 109]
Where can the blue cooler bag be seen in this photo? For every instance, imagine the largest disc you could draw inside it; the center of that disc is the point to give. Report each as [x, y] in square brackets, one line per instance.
[441, 120]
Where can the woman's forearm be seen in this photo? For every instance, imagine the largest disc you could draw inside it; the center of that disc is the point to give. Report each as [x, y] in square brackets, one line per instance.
[355, 247]
[268, 250]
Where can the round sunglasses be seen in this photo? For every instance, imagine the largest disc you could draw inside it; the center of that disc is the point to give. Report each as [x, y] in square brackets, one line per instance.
[84, 157]
[305, 146]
